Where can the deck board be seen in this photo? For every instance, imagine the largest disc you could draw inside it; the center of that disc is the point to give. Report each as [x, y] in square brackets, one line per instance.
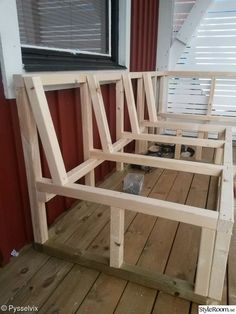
[153, 243]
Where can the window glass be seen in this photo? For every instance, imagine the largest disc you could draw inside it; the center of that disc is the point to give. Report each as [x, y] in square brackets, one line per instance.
[81, 25]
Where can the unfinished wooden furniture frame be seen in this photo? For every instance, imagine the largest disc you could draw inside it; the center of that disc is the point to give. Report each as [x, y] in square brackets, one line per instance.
[216, 225]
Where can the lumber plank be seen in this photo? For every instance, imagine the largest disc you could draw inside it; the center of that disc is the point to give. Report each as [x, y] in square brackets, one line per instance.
[178, 146]
[117, 237]
[158, 162]
[211, 96]
[231, 269]
[190, 117]
[205, 256]
[201, 74]
[131, 103]
[163, 95]
[87, 129]
[172, 124]
[33, 167]
[219, 265]
[140, 146]
[175, 139]
[150, 97]
[119, 116]
[46, 129]
[149, 206]
[198, 154]
[100, 113]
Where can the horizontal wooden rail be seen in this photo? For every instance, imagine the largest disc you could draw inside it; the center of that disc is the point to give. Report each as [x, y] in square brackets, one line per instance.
[158, 162]
[183, 213]
[84, 168]
[185, 126]
[206, 118]
[202, 74]
[78, 77]
[174, 139]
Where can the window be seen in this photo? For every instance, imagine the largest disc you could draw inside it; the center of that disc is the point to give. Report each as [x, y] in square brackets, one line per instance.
[28, 54]
[68, 34]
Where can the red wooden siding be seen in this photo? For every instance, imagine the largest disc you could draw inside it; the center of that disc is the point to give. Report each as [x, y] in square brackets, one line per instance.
[144, 24]
[15, 221]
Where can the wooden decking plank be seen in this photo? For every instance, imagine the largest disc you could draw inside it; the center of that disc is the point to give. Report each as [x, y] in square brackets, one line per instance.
[156, 251]
[183, 257]
[136, 299]
[42, 284]
[71, 291]
[104, 295]
[18, 272]
[135, 239]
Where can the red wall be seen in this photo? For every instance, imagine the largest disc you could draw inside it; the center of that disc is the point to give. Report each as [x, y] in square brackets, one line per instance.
[15, 222]
[144, 24]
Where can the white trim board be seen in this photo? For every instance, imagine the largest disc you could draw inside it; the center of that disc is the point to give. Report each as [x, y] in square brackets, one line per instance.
[10, 51]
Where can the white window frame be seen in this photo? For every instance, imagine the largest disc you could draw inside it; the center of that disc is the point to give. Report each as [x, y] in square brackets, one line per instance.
[10, 47]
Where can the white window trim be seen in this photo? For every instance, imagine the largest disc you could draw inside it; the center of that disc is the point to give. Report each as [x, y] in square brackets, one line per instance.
[10, 48]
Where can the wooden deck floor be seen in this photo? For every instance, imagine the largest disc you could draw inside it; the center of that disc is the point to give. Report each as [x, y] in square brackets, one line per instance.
[56, 286]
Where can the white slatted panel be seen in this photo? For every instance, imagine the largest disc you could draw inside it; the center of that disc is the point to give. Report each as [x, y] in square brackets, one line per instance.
[213, 45]
[212, 48]
[224, 101]
[188, 95]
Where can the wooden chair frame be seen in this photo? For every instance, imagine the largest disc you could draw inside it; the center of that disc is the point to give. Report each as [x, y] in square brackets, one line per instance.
[35, 118]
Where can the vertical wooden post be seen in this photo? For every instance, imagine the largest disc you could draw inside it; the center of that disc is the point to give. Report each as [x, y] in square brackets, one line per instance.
[198, 154]
[87, 129]
[119, 117]
[140, 146]
[29, 138]
[163, 95]
[211, 96]
[205, 261]
[178, 146]
[220, 258]
[218, 157]
[225, 222]
[117, 237]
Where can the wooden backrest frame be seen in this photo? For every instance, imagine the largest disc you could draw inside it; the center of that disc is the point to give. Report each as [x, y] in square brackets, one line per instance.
[34, 115]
